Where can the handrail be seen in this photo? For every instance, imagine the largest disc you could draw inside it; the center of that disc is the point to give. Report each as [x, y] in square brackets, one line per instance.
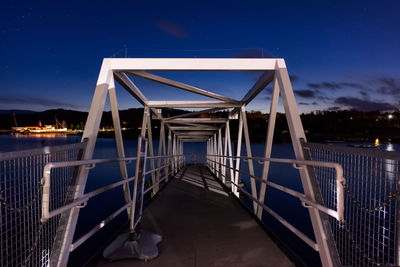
[340, 181]
[46, 214]
[81, 202]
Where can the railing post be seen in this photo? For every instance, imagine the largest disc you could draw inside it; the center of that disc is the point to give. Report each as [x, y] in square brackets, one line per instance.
[174, 153]
[228, 140]
[161, 146]
[215, 152]
[169, 159]
[220, 154]
[208, 153]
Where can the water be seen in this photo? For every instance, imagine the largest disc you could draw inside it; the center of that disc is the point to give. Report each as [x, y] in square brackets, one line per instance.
[100, 207]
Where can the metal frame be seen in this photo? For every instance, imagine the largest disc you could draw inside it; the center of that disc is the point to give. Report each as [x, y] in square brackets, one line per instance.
[206, 130]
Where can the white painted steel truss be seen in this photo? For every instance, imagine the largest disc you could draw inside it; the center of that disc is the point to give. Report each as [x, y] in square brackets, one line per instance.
[188, 127]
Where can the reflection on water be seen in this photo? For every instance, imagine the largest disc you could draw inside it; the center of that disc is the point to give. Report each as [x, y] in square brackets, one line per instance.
[41, 135]
[390, 165]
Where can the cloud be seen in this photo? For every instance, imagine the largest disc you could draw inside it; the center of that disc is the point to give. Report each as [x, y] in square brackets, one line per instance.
[363, 104]
[335, 85]
[334, 108]
[27, 100]
[389, 86]
[305, 93]
[308, 104]
[172, 29]
[363, 94]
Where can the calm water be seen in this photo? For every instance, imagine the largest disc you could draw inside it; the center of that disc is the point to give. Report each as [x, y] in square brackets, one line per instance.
[100, 207]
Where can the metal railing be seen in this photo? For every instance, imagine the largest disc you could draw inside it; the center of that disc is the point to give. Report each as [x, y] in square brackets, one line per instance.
[369, 235]
[336, 211]
[23, 239]
[172, 163]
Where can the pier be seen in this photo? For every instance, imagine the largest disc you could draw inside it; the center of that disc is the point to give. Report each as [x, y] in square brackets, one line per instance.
[186, 211]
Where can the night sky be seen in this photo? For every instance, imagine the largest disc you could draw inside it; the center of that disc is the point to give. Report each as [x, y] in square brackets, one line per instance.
[340, 54]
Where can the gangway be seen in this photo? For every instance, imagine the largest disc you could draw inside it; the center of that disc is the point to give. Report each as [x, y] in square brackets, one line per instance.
[162, 177]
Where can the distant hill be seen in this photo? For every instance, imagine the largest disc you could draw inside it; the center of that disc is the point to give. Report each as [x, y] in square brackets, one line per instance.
[16, 111]
[347, 125]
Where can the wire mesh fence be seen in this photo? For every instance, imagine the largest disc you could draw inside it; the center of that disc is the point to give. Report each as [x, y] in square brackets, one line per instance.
[369, 235]
[24, 240]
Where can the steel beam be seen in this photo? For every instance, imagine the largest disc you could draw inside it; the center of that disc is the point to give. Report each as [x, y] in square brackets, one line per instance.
[249, 154]
[130, 87]
[260, 84]
[296, 130]
[118, 139]
[268, 144]
[151, 150]
[195, 64]
[194, 128]
[198, 120]
[183, 86]
[190, 114]
[191, 104]
[67, 225]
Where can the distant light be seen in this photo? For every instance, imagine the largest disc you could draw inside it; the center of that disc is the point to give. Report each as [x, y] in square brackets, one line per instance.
[390, 116]
[389, 147]
[377, 142]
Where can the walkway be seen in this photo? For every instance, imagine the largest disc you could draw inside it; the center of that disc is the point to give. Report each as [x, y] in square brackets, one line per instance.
[202, 226]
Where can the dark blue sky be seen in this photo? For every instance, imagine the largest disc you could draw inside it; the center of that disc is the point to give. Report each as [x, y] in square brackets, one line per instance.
[342, 54]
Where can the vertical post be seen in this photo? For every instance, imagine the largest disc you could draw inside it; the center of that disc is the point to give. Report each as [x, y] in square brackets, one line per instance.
[268, 144]
[118, 139]
[238, 152]
[160, 148]
[169, 152]
[139, 175]
[215, 152]
[181, 154]
[151, 150]
[322, 234]
[67, 225]
[208, 152]
[228, 139]
[225, 153]
[138, 171]
[219, 154]
[174, 153]
[249, 154]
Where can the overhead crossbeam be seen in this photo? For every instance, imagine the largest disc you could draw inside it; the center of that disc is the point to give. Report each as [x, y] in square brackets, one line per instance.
[192, 104]
[193, 64]
[196, 113]
[194, 128]
[193, 133]
[182, 86]
[198, 120]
